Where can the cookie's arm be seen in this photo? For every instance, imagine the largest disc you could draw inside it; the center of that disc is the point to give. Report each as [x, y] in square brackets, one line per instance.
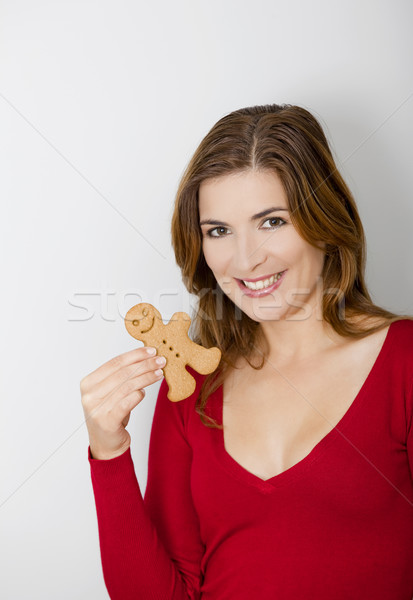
[151, 547]
[203, 360]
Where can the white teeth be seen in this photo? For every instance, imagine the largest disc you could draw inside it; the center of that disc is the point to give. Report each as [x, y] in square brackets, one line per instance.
[263, 283]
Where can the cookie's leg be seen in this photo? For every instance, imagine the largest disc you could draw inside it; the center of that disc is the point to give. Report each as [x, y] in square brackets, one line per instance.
[180, 383]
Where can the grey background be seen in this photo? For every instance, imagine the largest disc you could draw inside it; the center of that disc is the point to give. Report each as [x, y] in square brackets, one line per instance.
[102, 105]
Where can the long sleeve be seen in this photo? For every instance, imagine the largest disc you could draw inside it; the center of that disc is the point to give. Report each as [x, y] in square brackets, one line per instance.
[150, 547]
[410, 429]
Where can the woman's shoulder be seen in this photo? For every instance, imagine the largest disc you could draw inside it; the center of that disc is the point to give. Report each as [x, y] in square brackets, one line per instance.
[404, 325]
[402, 333]
[401, 328]
[399, 336]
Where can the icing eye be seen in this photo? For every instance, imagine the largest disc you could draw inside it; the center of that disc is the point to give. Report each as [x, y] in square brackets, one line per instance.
[145, 312]
[135, 323]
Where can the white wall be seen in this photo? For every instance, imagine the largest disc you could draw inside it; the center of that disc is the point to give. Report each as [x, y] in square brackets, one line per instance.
[101, 106]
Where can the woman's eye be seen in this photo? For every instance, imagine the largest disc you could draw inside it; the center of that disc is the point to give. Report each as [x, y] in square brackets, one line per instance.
[273, 225]
[217, 231]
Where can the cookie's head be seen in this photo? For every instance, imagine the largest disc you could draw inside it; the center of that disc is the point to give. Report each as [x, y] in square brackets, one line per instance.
[140, 320]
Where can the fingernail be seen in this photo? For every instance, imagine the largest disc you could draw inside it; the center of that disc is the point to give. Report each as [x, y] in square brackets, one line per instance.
[151, 351]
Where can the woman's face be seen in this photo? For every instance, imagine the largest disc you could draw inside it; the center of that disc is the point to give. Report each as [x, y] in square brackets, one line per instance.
[248, 234]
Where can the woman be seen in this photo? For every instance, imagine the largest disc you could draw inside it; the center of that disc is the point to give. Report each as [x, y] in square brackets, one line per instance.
[306, 491]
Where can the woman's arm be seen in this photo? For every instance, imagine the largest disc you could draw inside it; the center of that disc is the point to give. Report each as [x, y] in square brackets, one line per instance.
[150, 548]
[410, 429]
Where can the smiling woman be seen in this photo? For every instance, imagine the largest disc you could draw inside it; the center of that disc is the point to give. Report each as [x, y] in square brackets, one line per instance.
[255, 162]
[288, 472]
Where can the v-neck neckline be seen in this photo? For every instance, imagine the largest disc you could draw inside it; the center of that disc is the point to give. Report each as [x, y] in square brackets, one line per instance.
[301, 467]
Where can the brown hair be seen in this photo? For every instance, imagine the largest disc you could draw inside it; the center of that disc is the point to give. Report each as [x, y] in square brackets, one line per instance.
[289, 141]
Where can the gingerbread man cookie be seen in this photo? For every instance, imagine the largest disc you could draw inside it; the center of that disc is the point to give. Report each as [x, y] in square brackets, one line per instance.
[144, 323]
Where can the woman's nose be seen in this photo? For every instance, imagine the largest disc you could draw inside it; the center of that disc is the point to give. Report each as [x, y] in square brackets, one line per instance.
[249, 254]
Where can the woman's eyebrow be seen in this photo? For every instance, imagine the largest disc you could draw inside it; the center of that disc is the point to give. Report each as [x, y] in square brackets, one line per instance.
[253, 218]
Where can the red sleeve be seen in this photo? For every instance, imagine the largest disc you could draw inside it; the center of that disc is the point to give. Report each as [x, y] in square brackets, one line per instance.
[410, 430]
[150, 548]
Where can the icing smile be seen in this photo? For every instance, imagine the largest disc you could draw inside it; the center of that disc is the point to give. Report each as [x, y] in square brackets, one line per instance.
[136, 323]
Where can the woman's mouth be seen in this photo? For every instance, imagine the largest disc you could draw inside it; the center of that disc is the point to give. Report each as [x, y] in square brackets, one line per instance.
[262, 287]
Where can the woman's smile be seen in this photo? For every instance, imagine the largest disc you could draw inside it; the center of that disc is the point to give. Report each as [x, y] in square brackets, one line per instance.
[256, 288]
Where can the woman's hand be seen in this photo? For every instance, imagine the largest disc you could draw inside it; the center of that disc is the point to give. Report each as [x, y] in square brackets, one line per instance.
[110, 393]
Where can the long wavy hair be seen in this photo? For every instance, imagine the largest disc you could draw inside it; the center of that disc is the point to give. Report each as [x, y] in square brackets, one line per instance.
[289, 141]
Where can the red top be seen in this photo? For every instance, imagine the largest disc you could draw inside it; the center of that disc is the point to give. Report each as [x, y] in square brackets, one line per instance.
[338, 524]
